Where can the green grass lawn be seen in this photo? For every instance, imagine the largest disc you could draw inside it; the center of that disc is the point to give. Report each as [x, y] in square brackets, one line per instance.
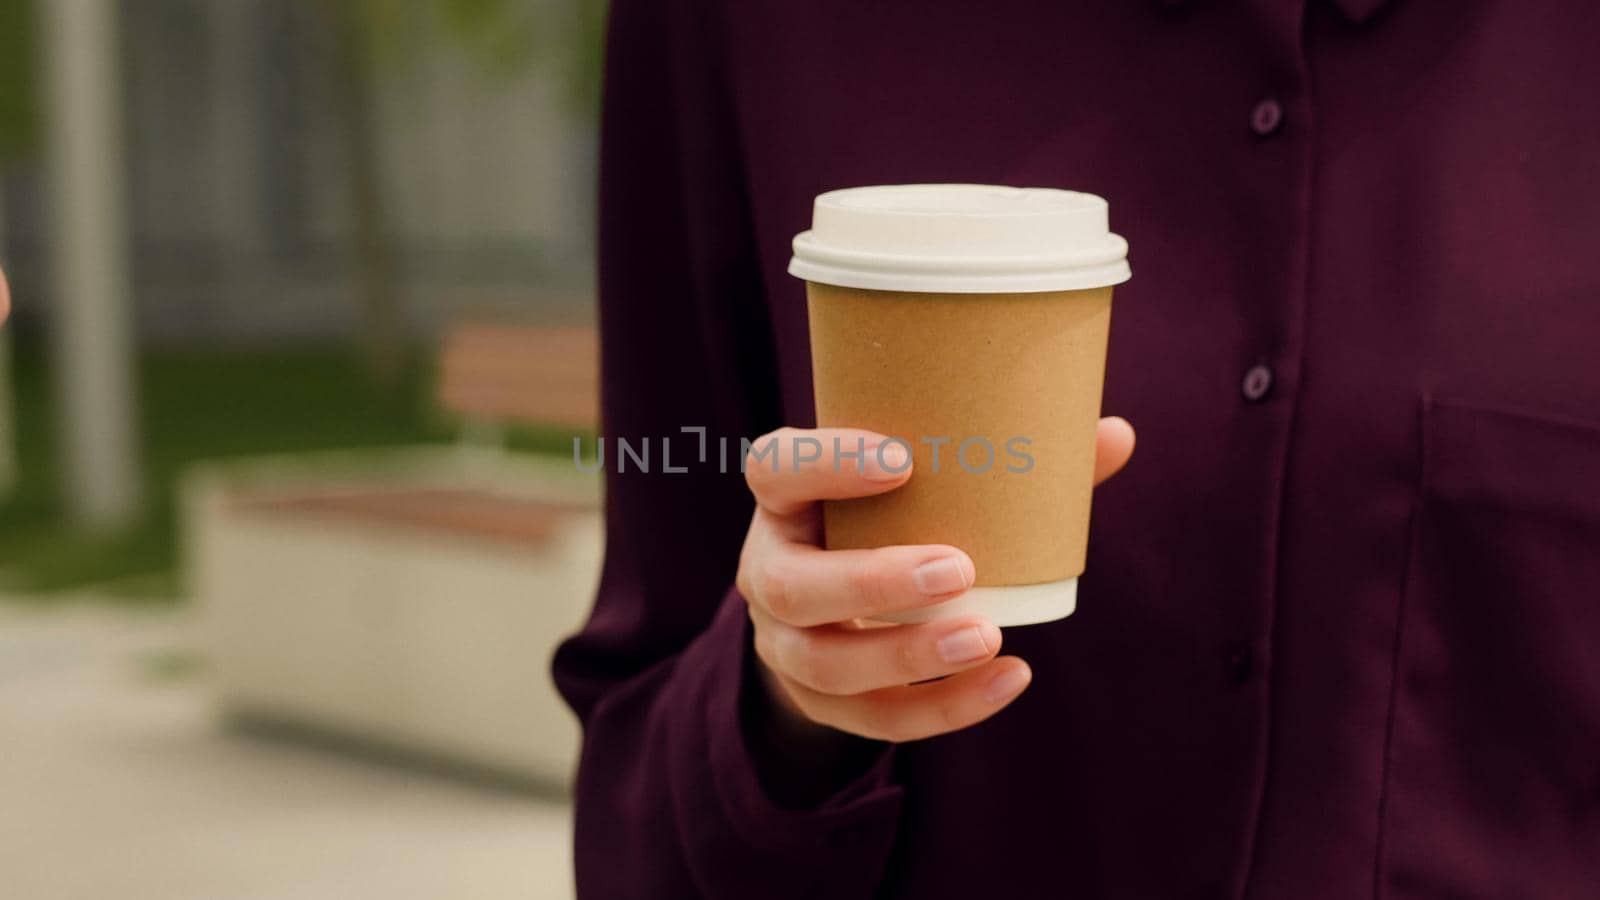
[195, 404]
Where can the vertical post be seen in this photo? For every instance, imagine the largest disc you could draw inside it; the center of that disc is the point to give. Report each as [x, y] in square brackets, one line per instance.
[92, 338]
[8, 428]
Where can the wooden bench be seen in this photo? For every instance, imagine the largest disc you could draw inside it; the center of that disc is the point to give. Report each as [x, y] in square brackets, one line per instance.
[414, 606]
[492, 376]
[496, 372]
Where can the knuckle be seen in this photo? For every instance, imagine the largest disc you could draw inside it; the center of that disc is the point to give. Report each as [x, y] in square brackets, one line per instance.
[907, 662]
[898, 731]
[749, 580]
[749, 557]
[822, 715]
[752, 472]
[789, 655]
[799, 702]
[869, 588]
[743, 583]
[851, 723]
[765, 648]
[951, 717]
[810, 669]
[775, 591]
[757, 459]
[884, 722]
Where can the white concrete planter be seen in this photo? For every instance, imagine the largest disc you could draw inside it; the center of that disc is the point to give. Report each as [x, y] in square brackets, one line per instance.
[408, 637]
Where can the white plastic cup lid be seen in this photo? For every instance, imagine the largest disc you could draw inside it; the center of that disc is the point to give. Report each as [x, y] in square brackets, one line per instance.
[960, 239]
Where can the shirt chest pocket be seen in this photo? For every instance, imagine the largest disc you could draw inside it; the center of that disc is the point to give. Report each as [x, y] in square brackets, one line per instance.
[1492, 784]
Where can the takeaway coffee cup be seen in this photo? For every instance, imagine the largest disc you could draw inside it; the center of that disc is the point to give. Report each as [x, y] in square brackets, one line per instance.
[968, 322]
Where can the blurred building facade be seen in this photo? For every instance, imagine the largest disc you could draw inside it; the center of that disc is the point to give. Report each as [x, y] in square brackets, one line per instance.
[239, 172]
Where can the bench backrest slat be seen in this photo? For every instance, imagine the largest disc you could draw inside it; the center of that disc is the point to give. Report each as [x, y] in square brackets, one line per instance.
[513, 372]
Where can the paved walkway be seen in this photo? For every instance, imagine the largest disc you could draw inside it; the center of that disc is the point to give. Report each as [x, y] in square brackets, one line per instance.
[117, 784]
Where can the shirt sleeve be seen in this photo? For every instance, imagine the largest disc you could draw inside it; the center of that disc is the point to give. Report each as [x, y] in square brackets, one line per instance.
[670, 802]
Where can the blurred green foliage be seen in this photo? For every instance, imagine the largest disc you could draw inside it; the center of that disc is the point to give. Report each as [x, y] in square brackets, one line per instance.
[205, 404]
[378, 39]
[504, 38]
[18, 96]
[198, 404]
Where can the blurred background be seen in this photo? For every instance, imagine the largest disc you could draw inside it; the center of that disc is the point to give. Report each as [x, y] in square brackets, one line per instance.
[289, 520]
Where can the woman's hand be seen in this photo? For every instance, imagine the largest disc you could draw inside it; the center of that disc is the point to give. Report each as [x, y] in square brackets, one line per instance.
[821, 665]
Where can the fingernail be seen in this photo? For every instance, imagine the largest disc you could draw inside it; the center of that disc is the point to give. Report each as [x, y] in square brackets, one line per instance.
[886, 462]
[966, 645]
[941, 576]
[1007, 684]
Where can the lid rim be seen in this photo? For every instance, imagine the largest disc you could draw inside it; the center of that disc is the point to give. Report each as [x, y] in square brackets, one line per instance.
[960, 238]
[1109, 249]
[1079, 279]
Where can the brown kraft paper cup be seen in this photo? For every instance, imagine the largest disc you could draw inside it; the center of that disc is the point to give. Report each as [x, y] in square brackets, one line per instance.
[1014, 380]
[970, 323]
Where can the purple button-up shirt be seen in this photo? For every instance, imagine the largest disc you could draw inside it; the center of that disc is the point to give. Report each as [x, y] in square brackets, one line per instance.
[1340, 630]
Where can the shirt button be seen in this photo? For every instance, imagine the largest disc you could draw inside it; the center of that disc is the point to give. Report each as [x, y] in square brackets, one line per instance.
[1267, 117]
[1239, 663]
[1257, 383]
